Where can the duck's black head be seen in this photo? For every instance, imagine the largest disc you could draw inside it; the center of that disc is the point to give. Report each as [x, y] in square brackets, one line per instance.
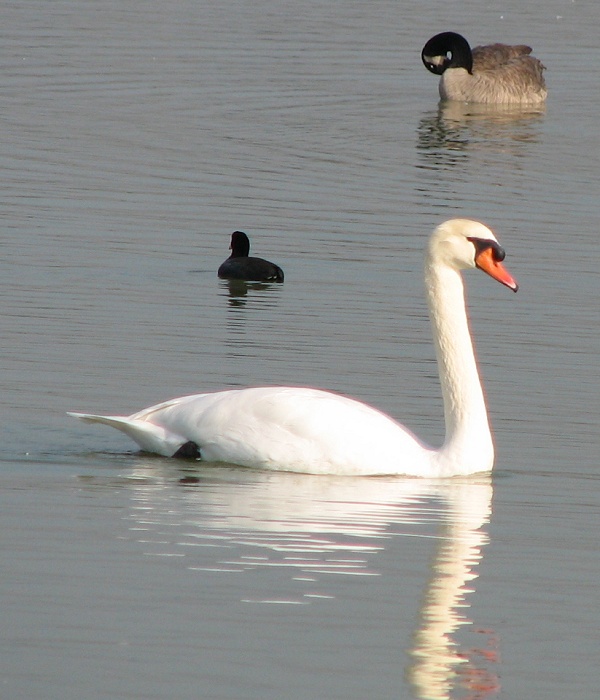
[447, 50]
[240, 245]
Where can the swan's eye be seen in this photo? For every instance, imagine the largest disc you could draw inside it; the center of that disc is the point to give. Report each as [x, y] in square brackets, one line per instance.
[497, 252]
[483, 244]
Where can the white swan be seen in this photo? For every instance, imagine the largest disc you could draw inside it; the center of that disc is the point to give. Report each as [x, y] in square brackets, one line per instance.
[314, 431]
[493, 74]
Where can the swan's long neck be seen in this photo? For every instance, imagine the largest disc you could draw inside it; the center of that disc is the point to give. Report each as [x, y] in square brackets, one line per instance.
[468, 445]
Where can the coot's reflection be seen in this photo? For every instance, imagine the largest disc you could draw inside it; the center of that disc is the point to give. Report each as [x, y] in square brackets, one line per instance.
[239, 291]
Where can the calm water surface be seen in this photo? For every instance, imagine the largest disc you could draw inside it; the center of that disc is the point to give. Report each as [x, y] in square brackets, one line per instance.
[136, 137]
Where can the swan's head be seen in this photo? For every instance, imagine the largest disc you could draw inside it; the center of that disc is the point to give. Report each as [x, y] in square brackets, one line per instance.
[463, 244]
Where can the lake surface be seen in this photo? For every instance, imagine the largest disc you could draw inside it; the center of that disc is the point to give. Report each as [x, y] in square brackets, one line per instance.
[136, 137]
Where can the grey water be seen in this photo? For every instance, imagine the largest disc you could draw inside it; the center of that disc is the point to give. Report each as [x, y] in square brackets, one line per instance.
[136, 136]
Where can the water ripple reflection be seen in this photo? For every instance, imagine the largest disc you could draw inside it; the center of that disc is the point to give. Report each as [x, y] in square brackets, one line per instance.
[294, 536]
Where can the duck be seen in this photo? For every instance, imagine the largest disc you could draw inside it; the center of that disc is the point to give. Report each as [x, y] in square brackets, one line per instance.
[493, 74]
[310, 430]
[239, 266]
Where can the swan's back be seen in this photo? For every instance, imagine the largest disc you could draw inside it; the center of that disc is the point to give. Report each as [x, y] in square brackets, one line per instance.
[290, 428]
[278, 428]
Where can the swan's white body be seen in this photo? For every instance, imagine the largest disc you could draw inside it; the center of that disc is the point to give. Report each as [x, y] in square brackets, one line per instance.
[308, 430]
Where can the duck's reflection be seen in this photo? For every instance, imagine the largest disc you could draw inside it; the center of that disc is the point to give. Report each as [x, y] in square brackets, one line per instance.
[456, 129]
[237, 291]
[315, 528]
[250, 323]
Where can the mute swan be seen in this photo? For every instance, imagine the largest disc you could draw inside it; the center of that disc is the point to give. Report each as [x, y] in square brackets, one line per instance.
[494, 74]
[239, 266]
[309, 430]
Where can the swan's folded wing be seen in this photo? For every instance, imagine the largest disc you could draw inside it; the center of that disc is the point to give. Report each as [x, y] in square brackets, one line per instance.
[150, 437]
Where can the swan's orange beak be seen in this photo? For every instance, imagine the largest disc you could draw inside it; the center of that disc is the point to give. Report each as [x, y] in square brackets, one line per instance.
[486, 261]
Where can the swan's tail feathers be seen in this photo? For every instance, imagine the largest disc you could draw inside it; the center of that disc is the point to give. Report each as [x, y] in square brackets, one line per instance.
[150, 437]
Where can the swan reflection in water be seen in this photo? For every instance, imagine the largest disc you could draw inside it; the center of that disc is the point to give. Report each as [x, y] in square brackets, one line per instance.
[438, 662]
[316, 528]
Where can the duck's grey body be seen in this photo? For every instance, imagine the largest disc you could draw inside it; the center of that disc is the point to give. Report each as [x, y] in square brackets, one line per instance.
[493, 74]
